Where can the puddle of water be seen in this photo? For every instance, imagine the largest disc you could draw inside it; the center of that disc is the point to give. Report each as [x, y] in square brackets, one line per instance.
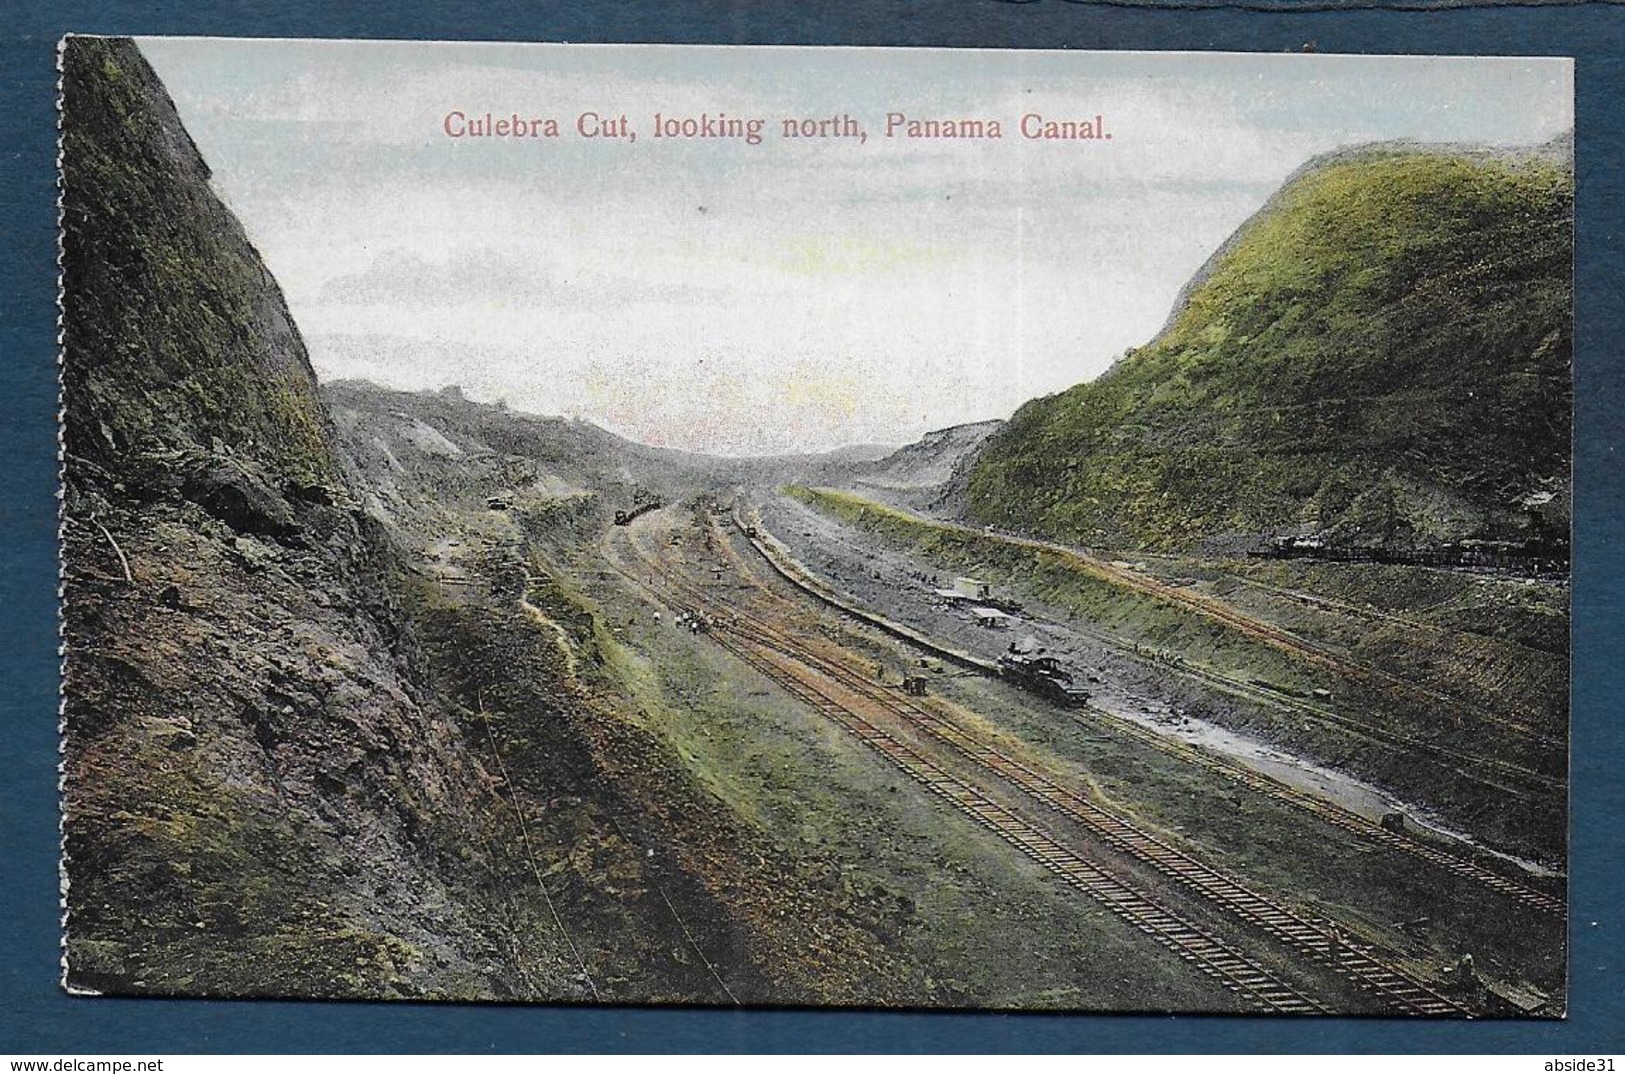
[829, 539]
[1352, 794]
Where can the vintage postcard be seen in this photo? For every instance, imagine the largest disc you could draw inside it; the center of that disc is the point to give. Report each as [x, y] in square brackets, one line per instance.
[816, 527]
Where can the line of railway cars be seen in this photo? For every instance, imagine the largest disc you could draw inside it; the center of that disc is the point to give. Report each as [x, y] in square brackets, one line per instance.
[624, 518]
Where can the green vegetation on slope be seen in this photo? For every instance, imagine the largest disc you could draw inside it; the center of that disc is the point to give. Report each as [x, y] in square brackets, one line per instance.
[1135, 619]
[176, 331]
[1381, 355]
[257, 799]
[1450, 756]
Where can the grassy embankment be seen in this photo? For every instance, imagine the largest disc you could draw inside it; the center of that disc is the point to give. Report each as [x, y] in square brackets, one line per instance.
[807, 871]
[1133, 619]
[1381, 355]
[1408, 743]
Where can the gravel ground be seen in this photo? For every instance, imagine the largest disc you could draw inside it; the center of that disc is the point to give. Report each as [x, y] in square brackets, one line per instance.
[898, 586]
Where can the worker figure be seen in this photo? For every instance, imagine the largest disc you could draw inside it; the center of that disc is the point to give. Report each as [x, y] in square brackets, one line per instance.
[1335, 942]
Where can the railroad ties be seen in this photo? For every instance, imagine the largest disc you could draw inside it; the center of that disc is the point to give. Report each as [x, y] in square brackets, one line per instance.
[758, 643]
[1234, 971]
[1352, 823]
[1330, 812]
[1401, 992]
[1398, 990]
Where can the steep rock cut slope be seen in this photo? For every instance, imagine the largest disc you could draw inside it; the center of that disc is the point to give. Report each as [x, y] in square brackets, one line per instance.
[299, 761]
[929, 474]
[1380, 358]
[259, 795]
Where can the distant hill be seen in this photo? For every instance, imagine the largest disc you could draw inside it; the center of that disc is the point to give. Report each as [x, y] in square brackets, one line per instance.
[434, 448]
[428, 450]
[1379, 357]
[927, 475]
[929, 462]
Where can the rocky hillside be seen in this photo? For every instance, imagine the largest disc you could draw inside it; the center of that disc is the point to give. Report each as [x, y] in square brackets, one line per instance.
[259, 794]
[419, 453]
[929, 462]
[333, 728]
[1379, 357]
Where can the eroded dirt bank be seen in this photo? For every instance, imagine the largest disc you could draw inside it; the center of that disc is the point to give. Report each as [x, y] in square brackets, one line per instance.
[369, 695]
[1461, 726]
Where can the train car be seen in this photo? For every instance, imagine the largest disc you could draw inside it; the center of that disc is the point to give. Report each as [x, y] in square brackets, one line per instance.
[624, 518]
[1043, 675]
[1535, 555]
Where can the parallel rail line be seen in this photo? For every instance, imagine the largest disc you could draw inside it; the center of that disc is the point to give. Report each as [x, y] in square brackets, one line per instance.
[1256, 985]
[1397, 989]
[1233, 970]
[1274, 636]
[1348, 821]
[1392, 985]
[1330, 812]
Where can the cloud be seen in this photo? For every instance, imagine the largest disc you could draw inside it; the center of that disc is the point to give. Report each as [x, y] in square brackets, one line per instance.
[721, 296]
[497, 277]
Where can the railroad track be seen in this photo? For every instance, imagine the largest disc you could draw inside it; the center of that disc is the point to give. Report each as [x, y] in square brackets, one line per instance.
[1320, 655]
[1230, 968]
[1339, 817]
[1398, 990]
[1332, 813]
[1531, 716]
[1274, 636]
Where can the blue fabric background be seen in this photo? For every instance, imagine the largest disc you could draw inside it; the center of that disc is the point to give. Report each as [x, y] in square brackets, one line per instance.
[35, 1016]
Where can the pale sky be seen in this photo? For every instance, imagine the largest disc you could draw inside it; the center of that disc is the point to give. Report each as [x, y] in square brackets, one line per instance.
[792, 295]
